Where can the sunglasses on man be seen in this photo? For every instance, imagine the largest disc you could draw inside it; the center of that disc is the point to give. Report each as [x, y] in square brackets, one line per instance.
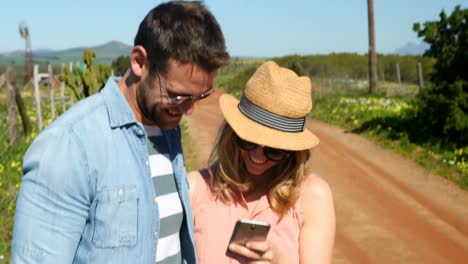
[185, 99]
[272, 154]
[182, 99]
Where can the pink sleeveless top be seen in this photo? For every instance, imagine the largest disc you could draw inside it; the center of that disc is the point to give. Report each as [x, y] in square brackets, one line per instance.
[215, 220]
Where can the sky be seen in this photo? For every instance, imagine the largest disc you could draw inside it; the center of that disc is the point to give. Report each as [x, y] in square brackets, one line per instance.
[257, 28]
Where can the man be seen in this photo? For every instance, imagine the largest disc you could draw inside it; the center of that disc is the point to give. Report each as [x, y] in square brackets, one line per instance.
[106, 182]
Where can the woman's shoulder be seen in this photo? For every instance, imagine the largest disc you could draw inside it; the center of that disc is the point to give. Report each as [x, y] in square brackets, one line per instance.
[196, 176]
[316, 197]
[193, 177]
[198, 183]
[315, 187]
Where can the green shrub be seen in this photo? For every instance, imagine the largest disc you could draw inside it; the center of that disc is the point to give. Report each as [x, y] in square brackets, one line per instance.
[444, 106]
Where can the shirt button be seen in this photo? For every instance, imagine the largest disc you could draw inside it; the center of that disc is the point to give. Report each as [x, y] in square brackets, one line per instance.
[156, 234]
[140, 133]
[120, 192]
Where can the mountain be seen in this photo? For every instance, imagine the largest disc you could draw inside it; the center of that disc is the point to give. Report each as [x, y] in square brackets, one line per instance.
[411, 48]
[105, 53]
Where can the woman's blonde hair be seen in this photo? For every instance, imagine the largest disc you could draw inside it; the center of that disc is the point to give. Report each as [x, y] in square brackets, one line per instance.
[229, 177]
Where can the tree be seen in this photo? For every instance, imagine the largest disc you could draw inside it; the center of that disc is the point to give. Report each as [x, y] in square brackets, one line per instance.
[444, 105]
[88, 81]
[120, 65]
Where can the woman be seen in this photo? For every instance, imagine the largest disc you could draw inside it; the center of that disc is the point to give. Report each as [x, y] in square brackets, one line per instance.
[259, 170]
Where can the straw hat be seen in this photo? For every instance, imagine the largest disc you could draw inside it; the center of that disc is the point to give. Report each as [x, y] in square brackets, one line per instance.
[273, 109]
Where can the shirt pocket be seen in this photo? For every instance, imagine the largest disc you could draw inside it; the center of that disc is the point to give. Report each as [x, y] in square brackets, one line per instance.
[116, 218]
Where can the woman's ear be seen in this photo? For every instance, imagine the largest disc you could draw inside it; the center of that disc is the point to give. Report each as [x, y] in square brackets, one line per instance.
[138, 60]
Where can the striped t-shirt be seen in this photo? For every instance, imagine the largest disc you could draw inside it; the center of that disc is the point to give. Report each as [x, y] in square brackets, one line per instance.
[167, 198]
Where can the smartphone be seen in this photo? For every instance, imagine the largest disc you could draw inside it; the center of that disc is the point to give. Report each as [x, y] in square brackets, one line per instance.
[248, 230]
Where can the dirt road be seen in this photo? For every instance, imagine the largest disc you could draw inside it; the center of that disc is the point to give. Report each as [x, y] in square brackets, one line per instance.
[388, 209]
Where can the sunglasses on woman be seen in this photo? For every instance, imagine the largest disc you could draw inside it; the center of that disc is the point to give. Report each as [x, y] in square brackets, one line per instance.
[272, 154]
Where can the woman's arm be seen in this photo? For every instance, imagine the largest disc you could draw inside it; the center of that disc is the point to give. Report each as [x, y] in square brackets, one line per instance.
[317, 234]
[192, 179]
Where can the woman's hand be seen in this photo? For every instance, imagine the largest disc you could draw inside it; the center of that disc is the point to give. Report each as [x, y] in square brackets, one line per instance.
[256, 252]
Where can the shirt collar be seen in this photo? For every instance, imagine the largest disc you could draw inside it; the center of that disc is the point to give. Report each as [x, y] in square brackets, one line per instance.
[120, 112]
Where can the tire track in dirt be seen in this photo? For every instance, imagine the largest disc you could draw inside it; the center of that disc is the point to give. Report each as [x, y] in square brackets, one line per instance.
[389, 210]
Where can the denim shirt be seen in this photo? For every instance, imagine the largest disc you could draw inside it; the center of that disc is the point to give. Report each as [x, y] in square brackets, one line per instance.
[86, 194]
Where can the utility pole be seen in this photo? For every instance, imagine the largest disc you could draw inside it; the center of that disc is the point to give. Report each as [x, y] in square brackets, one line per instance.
[372, 55]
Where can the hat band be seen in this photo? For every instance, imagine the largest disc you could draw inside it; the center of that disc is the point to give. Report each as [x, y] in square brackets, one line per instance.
[270, 119]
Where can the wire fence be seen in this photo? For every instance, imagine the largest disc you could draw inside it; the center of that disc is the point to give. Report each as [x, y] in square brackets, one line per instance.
[11, 154]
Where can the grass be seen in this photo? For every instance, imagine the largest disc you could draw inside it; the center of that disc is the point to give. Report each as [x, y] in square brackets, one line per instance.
[11, 157]
[189, 154]
[11, 165]
[391, 123]
[385, 118]
[10, 178]
[388, 118]
[233, 77]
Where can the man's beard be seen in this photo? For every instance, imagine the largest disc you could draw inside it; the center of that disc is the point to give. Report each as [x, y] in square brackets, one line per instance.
[148, 110]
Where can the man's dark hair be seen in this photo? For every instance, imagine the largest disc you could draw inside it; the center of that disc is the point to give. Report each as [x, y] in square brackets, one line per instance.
[184, 31]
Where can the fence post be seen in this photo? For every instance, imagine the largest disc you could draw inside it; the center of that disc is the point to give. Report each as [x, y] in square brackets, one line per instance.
[51, 91]
[22, 111]
[398, 75]
[420, 76]
[10, 79]
[37, 97]
[62, 91]
[2, 80]
[321, 87]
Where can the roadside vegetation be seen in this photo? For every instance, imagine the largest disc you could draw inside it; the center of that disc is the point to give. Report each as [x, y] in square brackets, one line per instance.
[11, 157]
[393, 123]
[428, 125]
[390, 118]
[189, 154]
